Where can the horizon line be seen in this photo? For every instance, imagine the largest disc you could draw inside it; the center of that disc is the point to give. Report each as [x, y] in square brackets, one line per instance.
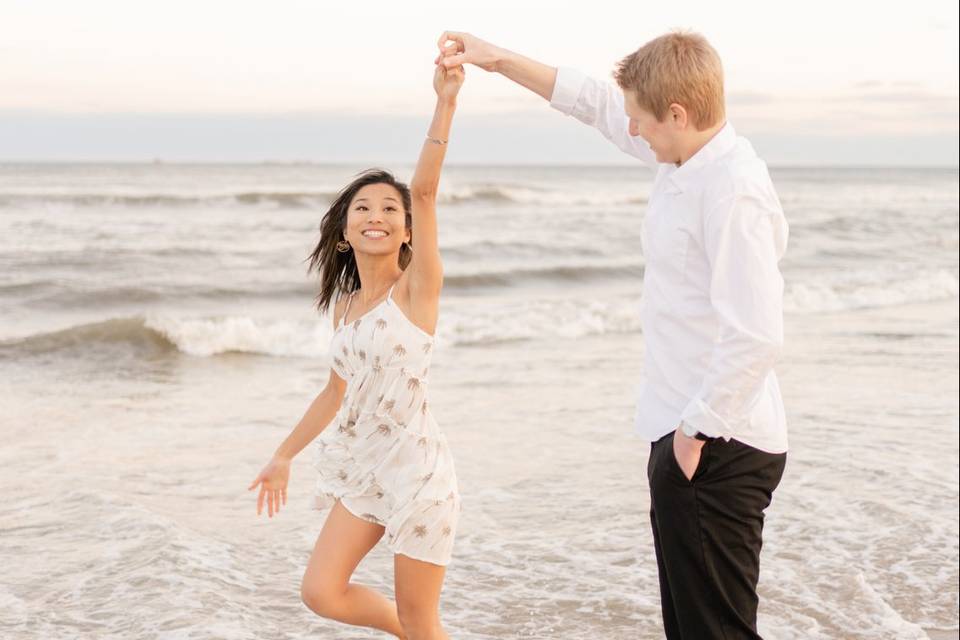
[327, 163]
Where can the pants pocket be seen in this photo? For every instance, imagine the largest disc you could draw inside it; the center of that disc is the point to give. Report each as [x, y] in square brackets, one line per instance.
[701, 463]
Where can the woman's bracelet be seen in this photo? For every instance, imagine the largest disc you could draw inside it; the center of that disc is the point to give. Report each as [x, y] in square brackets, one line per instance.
[436, 140]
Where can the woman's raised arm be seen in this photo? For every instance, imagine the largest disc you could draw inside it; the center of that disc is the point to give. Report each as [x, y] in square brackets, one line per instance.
[426, 270]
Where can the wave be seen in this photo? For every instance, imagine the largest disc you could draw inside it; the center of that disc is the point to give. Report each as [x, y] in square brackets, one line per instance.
[534, 196]
[128, 331]
[553, 273]
[192, 336]
[462, 323]
[862, 291]
[490, 194]
[211, 336]
[51, 293]
[278, 199]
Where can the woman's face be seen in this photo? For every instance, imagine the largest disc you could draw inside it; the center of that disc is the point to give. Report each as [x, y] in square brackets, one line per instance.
[376, 221]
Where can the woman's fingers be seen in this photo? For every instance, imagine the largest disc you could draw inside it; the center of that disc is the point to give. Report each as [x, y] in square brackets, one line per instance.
[263, 491]
[453, 61]
[255, 482]
[283, 492]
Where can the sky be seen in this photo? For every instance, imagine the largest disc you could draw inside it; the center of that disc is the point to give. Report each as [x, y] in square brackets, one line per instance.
[812, 83]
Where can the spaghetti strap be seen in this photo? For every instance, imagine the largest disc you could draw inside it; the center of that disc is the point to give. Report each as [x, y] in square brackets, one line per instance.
[346, 310]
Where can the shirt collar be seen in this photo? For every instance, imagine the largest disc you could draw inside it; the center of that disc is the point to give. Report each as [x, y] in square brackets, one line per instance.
[722, 142]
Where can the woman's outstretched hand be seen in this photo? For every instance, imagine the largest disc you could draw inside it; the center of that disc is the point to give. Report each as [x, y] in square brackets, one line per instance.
[273, 485]
[447, 82]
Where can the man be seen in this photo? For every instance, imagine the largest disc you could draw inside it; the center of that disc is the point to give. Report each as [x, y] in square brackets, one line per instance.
[712, 315]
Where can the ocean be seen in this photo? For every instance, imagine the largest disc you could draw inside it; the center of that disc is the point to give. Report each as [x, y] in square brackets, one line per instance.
[158, 340]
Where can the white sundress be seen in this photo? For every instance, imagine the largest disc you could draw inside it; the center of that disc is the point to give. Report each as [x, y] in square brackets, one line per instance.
[383, 455]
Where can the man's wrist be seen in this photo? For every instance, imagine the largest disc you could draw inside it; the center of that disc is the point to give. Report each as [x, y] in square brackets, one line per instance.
[502, 59]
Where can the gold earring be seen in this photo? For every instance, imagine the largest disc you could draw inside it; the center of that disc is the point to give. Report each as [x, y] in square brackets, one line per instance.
[343, 246]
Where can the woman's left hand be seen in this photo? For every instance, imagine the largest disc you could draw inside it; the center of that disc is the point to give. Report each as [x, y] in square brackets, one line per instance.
[447, 82]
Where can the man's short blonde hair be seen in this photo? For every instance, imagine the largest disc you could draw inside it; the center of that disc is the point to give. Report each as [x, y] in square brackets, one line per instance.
[679, 67]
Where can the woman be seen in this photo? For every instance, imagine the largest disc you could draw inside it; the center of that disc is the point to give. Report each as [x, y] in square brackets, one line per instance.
[383, 464]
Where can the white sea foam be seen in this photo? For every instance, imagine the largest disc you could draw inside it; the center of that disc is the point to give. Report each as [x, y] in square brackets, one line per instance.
[465, 322]
[871, 289]
[211, 336]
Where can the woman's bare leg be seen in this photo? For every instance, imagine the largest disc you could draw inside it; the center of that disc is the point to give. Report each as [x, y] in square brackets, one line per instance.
[326, 589]
[418, 587]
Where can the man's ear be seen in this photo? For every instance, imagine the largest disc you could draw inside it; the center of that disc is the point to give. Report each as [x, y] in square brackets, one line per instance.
[678, 116]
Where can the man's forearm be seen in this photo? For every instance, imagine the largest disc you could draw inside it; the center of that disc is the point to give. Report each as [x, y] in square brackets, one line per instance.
[531, 74]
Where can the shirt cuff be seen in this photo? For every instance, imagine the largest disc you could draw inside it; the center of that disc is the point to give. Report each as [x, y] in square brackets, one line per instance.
[566, 89]
[705, 420]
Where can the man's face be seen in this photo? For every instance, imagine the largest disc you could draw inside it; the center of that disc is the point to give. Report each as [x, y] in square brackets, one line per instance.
[663, 137]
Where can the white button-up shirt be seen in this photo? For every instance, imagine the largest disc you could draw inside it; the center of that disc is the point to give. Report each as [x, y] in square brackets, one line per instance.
[712, 307]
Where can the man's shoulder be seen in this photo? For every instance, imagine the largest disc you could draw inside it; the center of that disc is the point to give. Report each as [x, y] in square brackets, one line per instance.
[739, 172]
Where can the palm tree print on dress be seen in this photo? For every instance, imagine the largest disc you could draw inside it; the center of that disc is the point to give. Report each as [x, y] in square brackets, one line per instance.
[379, 324]
[382, 429]
[398, 350]
[426, 347]
[413, 385]
[445, 533]
[346, 354]
[363, 355]
[339, 363]
[420, 531]
[422, 443]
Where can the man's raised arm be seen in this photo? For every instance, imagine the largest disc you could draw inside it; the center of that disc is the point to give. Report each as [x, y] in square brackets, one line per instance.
[592, 102]
[457, 48]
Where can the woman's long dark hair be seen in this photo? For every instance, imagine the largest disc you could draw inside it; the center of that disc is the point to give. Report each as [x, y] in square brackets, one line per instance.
[338, 271]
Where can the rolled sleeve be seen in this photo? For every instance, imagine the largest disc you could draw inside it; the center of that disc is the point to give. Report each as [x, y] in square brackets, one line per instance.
[566, 90]
[598, 105]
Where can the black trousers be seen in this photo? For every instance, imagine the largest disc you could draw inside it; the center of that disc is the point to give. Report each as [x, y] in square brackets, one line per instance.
[707, 532]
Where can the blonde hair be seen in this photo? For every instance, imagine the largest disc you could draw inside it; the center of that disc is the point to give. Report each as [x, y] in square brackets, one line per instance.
[679, 67]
